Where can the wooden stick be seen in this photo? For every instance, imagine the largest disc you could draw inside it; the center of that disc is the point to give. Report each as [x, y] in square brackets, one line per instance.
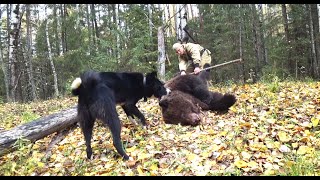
[222, 64]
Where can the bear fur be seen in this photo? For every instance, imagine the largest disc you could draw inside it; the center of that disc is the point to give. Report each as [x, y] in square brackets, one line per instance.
[192, 91]
[179, 107]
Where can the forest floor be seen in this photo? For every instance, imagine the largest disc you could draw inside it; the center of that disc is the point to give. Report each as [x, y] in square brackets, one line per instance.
[273, 129]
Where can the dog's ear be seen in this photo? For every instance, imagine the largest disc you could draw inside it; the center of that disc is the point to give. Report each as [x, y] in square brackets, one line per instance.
[153, 74]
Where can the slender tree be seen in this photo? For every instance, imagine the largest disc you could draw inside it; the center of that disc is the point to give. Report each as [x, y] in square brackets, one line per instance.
[313, 44]
[3, 61]
[162, 53]
[29, 53]
[54, 73]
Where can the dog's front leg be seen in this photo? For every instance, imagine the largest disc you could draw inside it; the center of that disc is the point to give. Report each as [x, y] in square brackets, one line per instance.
[129, 114]
[133, 108]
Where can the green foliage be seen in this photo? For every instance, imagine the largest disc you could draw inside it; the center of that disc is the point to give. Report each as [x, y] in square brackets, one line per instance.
[299, 165]
[126, 45]
[29, 116]
[270, 72]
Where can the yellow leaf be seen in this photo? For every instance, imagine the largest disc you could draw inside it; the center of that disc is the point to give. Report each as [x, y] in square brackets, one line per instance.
[290, 126]
[60, 148]
[191, 157]
[245, 155]
[271, 121]
[294, 145]
[223, 133]
[131, 149]
[290, 163]
[253, 164]
[269, 144]
[233, 108]
[140, 171]
[245, 125]
[154, 167]
[241, 164]
[179, 169]
[283, 137]
[269, 172]
[302, 150]
[205, 154]
[315, 121]
[143, 156]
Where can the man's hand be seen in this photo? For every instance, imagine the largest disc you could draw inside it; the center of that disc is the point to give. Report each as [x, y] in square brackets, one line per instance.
[196, 70]
[183, 73]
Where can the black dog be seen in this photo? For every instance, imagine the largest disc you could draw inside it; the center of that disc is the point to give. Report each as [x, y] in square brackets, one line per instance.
[99, 93]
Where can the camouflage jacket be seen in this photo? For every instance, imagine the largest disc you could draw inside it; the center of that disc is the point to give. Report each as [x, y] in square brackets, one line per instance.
[192, 55]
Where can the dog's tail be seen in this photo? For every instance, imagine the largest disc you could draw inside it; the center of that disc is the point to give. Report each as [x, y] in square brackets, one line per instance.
[87, 80]
[221, 102]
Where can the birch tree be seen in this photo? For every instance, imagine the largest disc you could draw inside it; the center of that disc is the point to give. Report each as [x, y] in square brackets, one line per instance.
[313, 46]
[2, 60]
[257, 38]
[29, 66]
[286, 33]
[13, 50]
[162, 54]
[54, 73]
[89, 29]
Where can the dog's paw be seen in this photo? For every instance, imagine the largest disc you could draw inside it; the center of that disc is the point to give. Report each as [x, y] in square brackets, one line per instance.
[133, 121]
[144, 127]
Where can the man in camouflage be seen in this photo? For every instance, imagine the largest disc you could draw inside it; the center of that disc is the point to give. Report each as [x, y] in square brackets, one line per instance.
[192, 57]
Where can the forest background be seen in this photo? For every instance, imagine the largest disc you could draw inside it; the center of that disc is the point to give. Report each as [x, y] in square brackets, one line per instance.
[45, 46]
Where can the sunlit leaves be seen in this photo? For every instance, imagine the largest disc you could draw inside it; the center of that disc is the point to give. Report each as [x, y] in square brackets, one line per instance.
[267, 132]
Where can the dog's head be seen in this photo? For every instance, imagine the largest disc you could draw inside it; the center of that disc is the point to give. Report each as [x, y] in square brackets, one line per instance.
[155, 87]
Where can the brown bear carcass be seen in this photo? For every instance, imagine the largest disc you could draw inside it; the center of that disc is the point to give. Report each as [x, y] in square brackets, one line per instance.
[189, 95]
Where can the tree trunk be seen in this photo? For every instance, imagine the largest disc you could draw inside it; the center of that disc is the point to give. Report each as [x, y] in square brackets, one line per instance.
[313, 46]
[184, 19]
[63, 32]
[96, 30]
[13, 53]
[262, 34]
[162, 54]
[169, 33]
[92, 18]
[315, 20]
[286, 33]
[257, 38]
[3, 62]
[29, 54]
[150, 21]
[177, 20]
[56, 30]
[37, 129]
[181, 21]
[54, 73]
[191, 12]
[241, 66]
[118, 27]
[89, 29]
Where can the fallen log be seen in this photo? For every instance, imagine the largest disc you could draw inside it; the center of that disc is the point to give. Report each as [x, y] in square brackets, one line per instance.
[37, 129]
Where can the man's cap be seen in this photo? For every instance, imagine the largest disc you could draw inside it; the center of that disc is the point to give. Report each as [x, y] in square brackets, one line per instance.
[176, 46]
